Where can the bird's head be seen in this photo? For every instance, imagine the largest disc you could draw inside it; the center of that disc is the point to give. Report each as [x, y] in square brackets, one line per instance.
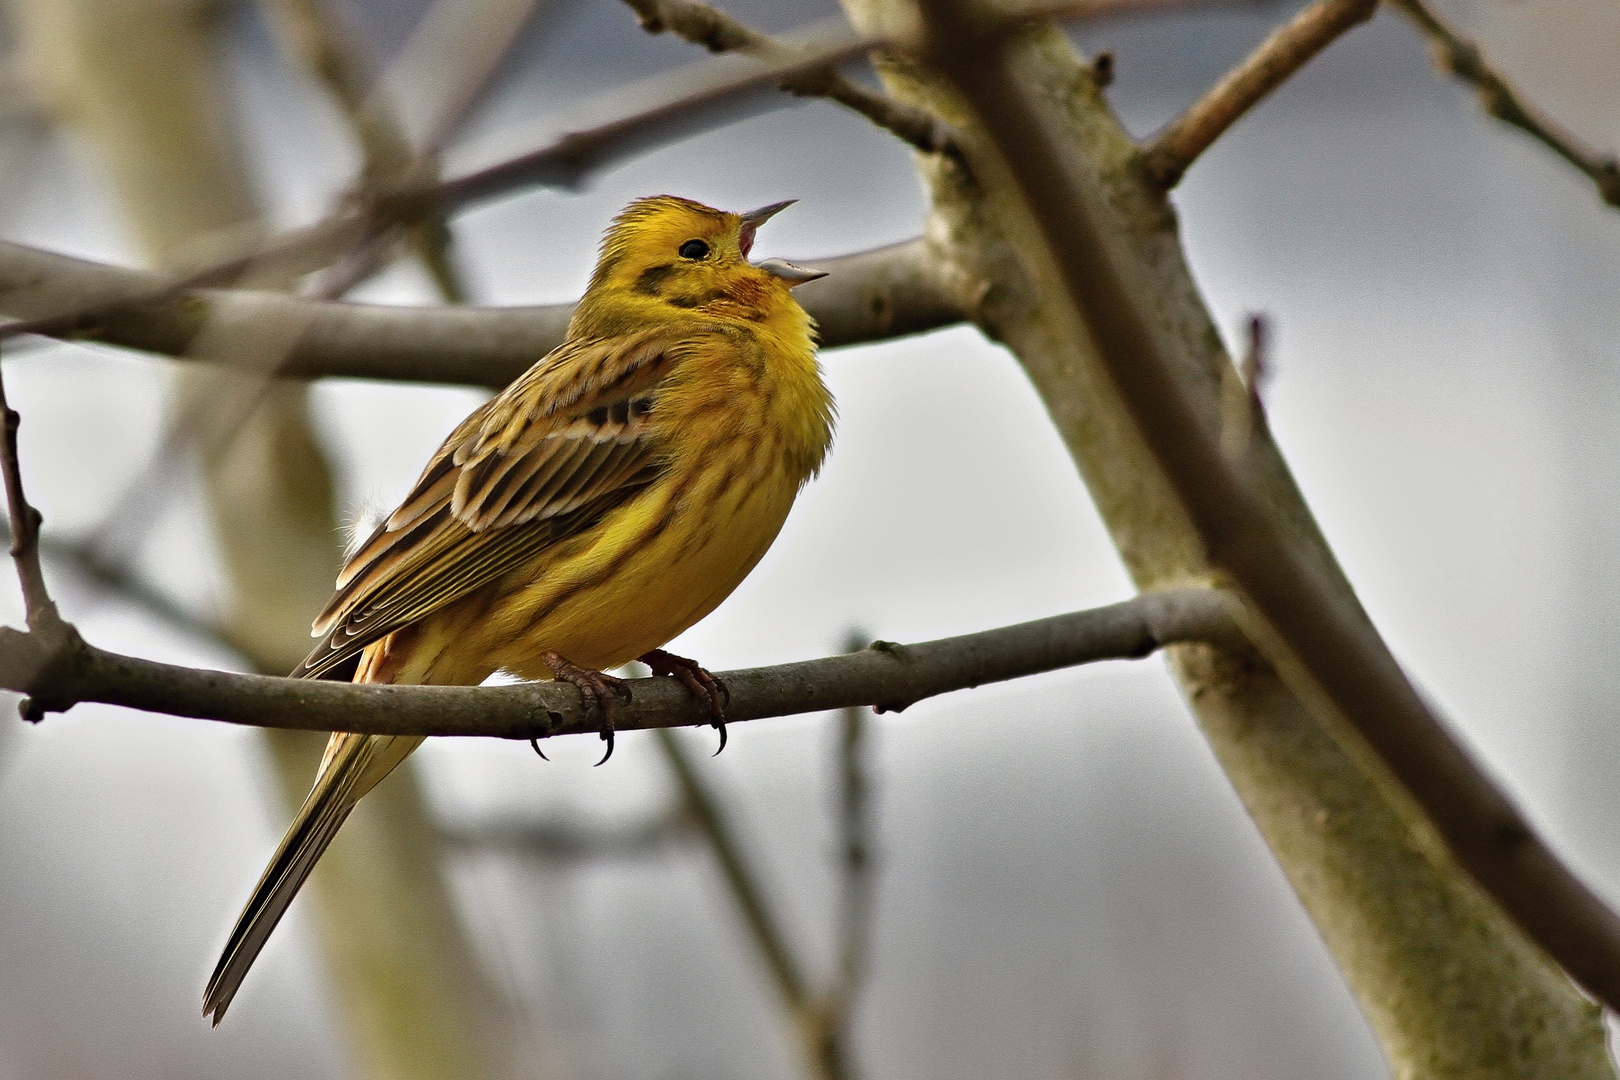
[684, 256]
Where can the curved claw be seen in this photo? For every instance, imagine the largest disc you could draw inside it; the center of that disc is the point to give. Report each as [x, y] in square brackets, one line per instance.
[536, 744]
[600, 691]
[699, 682]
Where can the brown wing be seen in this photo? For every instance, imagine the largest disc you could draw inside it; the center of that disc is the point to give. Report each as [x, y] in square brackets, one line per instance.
[572, 439]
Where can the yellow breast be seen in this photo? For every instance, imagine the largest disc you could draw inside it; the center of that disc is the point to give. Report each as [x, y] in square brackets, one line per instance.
[746, 429]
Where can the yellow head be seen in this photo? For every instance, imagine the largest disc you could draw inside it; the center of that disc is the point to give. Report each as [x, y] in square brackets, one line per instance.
[678, 257]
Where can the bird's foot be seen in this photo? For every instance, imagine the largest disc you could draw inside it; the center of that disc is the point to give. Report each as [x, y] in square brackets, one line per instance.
[600, 690]
[702, 683]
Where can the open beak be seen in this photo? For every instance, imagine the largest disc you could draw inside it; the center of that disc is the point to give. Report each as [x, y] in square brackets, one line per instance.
[755, 218]
[751, 221]
[793, 275]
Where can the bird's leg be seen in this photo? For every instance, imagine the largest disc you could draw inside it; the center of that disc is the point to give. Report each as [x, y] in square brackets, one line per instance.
[600, 690]
[702, 683]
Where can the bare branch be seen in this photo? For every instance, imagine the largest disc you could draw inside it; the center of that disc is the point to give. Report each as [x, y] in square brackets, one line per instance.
[51, 637]
[718, 32]
[24, 522]
[871, 296]
[1458, 56]
[649, 113]
[1312, 631]
[1287, 50]
[886, 676]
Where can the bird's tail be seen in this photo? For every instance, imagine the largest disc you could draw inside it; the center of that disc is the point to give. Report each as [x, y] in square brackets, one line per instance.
[352, 766]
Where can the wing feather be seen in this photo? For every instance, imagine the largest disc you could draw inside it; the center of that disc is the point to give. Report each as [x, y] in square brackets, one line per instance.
[575, 437]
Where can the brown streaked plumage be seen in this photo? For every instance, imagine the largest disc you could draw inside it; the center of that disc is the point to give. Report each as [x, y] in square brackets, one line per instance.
[605, 501]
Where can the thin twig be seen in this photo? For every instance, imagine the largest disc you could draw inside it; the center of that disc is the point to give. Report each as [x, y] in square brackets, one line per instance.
[56, 642]
[719, 32]
[24, 522]
[875, 295]
[1167, 157]
[1462, 58]
[1243, 411]
[1308, 627]
[651, 112]
[886, 676]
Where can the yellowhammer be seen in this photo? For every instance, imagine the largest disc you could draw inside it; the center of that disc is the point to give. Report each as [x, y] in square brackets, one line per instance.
[608, 499]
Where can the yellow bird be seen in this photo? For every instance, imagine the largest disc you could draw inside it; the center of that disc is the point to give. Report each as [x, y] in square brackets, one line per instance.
[607, 500]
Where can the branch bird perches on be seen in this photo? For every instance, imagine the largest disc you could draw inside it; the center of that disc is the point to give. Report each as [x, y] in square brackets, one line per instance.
[59, 672]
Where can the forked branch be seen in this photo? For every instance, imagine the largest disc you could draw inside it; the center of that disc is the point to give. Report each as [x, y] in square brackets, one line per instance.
[717, 31]
[1310, 629]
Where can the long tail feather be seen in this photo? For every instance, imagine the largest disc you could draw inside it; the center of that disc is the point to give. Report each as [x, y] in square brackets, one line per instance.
[357, 764]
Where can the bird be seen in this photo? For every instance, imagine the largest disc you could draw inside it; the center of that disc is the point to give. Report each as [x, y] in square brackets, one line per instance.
[609, 498]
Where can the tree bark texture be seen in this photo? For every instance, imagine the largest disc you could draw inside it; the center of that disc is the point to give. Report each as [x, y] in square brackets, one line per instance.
[1450, 985]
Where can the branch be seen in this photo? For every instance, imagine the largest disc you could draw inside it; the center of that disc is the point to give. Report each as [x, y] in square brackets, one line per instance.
[649, 113]
[24, 522]
[718, 32]
[871, 296]
[886, 676]
[50, 637]
[1312, 632]
[1287, 50]
[1462, 58]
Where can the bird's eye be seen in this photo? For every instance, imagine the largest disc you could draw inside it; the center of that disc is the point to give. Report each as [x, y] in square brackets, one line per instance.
[694, 249]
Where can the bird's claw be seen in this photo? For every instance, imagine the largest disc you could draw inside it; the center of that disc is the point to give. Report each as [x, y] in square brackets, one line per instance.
[600, 690]
[702, 683]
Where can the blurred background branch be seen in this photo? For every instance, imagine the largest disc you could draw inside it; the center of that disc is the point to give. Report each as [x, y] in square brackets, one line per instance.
[1457, 56]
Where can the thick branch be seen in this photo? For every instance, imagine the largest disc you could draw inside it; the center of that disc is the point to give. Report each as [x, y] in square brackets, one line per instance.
[886, 676]
[1311, 630]
[1287, 50]
[871, 296]
[718, 32]
[1462, 58]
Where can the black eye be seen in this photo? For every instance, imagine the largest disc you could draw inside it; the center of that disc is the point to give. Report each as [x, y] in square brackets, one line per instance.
[694, 249]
